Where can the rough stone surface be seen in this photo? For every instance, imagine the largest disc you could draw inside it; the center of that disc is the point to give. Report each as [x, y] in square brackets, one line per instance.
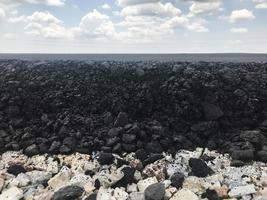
[68, 193]
[155, 192]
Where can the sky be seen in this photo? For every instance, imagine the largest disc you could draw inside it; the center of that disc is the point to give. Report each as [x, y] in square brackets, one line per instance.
[133, 26]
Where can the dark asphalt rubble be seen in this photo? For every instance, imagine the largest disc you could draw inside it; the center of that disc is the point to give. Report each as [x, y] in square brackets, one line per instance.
[144, 107]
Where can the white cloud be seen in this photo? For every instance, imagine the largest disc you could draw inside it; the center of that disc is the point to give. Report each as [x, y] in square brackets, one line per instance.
[106, 6]
[260, 4]
[153, 20]
[44, 17]
[44, 24]
[205, 7]
[242, 14]
[134, 2]
[2, 14]
[151, 9]
[239, 30]
[96, 24]
[45, 2]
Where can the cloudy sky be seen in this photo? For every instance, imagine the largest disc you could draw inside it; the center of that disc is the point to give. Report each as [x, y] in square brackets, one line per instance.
[133, 26]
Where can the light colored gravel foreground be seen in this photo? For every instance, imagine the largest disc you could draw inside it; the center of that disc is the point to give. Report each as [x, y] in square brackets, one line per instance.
[110, 177]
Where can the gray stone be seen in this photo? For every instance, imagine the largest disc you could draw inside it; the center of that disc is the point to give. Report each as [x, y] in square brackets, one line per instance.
[155, 192]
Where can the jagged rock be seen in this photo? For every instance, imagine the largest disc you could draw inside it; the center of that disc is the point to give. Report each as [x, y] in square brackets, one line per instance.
[68, 193]
[60, 179]
[143, 184]
[177, 180]
[184, 194]
[31, 150]
[243, 155]
[211, 111]
[211, 195]
[242, 190]
[12, 194]
[105, 158]
[137, 196]
[199, 168]
[16, 169]
[122, 120]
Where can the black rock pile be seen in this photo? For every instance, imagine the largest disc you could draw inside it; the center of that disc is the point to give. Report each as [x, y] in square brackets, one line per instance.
[143, 107]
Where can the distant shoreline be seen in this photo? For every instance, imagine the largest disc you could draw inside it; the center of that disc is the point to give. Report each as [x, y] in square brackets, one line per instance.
[185, 57]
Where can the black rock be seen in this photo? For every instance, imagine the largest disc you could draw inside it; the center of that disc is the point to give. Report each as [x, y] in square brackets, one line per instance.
[129, 147]
[31, 150]
[141, 154]
[68, 193]
[89, 173]
[177, 180]
[262, 156]
[211, 111]
[128, 138]
[117, 148]
[128, 177]
[91, 197]
[211, 195]
[97, 184]
[64, 149]
[70, 142]
[114, 132]
[199, 168]
[237, 163]
[154, 147]
[120, 162]
[122, 120]
[243, 155]
[155, 191]
[106, 158]
[152, 158]
[16, 169]
[54, 147]
[3, 134]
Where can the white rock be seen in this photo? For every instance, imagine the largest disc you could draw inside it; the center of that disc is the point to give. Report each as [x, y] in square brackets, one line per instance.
[194, 184]
[169, 192]
[106, 179]
[23, 180]
[167, 183]
[39, 177]
[242, 190]
[92, 166]
[44, 196]
[131, 188]
[137, 175]
[13, 157]
[80, 179]
[137, 196]
[120, 194]
[61, 179]
[184, 194]
[143, 184]
[2, 182]
[12, 193]
[104, 194]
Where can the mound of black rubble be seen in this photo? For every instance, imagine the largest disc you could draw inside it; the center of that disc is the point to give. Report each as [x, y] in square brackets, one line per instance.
[148, 107]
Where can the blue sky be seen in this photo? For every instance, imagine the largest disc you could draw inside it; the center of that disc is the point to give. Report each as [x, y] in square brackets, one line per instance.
[133, 26]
